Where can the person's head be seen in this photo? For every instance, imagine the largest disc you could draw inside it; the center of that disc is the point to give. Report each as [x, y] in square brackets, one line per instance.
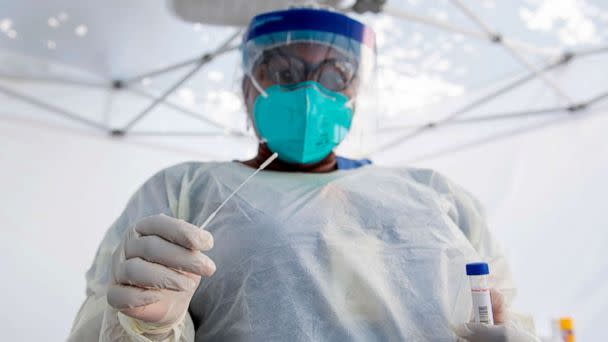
[303, 69]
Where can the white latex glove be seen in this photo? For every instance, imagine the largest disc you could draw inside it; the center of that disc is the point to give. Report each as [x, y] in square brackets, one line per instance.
[478, 332]
[157, 268]
[501, 332]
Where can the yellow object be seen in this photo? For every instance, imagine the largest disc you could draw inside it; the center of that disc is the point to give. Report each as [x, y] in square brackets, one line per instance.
[566, 325]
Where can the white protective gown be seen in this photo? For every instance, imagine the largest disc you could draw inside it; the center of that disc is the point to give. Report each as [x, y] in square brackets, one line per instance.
[371, 254]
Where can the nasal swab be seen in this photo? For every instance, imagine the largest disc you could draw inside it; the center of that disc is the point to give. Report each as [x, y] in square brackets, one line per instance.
[262, 167]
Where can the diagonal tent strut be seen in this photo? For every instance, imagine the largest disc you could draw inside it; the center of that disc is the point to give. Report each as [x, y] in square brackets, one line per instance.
[52, 79]
[107, 86]
[128, 82]
[159, 100]
[572, 109]
[53, 109]
[583, 106]
[224, 48]
[174, 134]
[566, 58]
[498, 39]
[219, 51]
[182, 134]
[190, 113]
[446, 26]
[467, 108]
[601, 97]
[497, 117]
[593, 51]
[487, 140]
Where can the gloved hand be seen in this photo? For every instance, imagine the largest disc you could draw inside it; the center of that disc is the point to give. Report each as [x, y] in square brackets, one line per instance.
[157, 268]
[479, 332]
[499, 310]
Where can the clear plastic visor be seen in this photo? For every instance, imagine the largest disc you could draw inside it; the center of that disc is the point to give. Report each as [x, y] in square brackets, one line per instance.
[337, 62]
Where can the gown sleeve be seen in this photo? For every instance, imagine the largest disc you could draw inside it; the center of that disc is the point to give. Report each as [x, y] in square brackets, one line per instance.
[96, 320]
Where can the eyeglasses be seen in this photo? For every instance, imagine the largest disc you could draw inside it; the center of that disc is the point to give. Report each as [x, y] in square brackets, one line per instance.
[335, 74]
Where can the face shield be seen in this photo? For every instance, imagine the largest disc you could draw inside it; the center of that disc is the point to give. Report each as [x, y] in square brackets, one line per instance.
[308, 66]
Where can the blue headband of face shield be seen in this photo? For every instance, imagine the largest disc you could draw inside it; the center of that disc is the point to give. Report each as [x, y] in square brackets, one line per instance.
[303, 122]
[324, 27]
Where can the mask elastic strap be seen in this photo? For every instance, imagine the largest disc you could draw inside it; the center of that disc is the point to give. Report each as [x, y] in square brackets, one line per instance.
[350, 104]
[257, 86]
[248, 125]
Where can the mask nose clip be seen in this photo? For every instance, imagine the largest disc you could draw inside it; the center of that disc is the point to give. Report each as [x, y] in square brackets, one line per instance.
[350, 104]
[258, 87]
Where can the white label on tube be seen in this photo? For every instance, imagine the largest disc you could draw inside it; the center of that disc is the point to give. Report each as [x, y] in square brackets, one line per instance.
[482, 305]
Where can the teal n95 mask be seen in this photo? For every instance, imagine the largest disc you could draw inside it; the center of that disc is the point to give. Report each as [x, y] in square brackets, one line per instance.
[303, 122]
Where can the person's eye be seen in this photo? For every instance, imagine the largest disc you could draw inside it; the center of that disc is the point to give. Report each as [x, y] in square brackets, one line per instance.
[287, 77]
[347, 69]
[332, 80]
[336, 75]
[261, 73]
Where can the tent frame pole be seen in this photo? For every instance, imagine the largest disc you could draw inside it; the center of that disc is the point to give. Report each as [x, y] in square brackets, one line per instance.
[53, 109]
[58, 80]
[158, 100]
[490, 139]
[449, 27]
[512, 46]
[467, 108]
[497, 38]
[190, 113]
[183, 134]
[205, 59]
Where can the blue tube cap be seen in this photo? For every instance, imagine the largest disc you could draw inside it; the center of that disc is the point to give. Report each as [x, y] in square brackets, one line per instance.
[478, 268]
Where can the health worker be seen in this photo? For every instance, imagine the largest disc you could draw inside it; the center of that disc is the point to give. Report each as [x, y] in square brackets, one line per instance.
[316, 247]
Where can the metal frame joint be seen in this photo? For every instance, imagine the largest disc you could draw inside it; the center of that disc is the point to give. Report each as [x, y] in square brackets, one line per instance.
[496, 38]
[118, 133]
[118, 84]
[206, 58]
[577, 107]
[567, 57]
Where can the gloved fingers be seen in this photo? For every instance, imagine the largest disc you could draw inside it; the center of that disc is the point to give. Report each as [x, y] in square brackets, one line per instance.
[478, 332]
[125, 296]
[153, 313]
[462, 330]
[515, 334]
[499, 310]
[144, 274]
[170, 309]
[177, 231]
[157, 250]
